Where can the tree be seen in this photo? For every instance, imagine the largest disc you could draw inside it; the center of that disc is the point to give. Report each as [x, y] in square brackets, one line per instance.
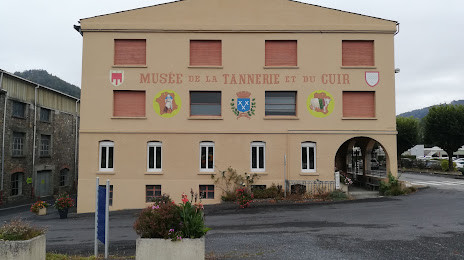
[444, 127]
[408, 134]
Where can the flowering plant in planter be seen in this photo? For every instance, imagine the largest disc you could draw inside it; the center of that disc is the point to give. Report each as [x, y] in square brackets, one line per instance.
[39, 205]
[244, 197]
[63, 201]
[172, 221]
[345, 179]
[17, 229]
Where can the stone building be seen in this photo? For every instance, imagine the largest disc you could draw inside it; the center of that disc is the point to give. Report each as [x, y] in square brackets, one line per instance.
[177, 92]
[32, 115]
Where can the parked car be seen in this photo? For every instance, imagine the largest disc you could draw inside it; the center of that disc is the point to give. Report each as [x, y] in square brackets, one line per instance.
[459, 163]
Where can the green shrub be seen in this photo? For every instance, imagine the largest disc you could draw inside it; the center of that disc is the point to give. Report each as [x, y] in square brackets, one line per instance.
[392, 187]
[17, 229]
[162, 199]
[229, 196]
[337, 195]
[462, 171]
[444, 165]
[273, 192]
[170, 221]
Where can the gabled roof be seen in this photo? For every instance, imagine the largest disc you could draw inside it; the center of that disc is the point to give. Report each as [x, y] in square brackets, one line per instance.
[236, 15]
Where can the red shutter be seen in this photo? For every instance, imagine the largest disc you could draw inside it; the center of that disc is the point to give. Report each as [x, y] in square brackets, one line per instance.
[130, 52]
[205, 53]
[358, 53]
[358, 104]
[281, 53]
[129, 103]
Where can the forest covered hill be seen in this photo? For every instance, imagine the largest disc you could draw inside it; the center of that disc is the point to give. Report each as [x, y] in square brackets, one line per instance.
[421, 113]
[46, 79]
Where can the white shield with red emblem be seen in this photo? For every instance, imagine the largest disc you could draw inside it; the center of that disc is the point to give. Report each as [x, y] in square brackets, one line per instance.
[116, 77]
[372, 78]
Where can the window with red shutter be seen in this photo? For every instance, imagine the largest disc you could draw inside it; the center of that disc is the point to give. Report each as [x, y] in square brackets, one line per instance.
[130, 52]
[358, 53]
[359, 104]
[281, 53]
[128, 103]
[205, 53]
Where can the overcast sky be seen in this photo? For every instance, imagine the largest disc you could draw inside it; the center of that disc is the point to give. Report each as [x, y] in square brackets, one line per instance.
[39, 34]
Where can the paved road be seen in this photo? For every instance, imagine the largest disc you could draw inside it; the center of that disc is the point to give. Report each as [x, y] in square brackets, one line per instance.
[426, 225]
[436, 181]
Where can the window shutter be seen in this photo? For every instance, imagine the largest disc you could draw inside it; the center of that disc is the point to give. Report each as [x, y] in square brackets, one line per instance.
[281, 53]
[358, 53]
[358, 104]
[130, 52]
[205, 53]
[129, 103]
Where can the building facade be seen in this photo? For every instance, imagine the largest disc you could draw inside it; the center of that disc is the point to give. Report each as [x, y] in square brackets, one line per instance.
[36, 116]
[175, 93]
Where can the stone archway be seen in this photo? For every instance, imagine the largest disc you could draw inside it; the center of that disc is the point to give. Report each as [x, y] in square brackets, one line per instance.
[364, 159]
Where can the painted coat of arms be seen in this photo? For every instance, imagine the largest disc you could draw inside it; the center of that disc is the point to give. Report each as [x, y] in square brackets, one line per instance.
[372, 78]
[116, 77]
[244, 106]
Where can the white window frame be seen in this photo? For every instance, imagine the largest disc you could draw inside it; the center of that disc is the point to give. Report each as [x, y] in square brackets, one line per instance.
[106, 145]
[307, 145]
[207, 145]
[154, 145]
[257, 145]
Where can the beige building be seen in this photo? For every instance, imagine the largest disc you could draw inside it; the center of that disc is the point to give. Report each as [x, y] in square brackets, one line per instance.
[176, 92]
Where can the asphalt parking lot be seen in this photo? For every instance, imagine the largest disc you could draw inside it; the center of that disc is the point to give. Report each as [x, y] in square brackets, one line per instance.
[426, 225]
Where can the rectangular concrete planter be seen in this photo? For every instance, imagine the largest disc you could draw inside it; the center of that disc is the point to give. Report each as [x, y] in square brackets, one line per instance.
[158, 248]
[32, 249]
[42, 212]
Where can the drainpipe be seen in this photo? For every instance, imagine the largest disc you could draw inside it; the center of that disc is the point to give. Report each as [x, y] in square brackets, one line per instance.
[34, 173]
[3, 140]
[76, 142]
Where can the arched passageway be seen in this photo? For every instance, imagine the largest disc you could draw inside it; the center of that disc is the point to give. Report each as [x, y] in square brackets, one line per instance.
[363, 159]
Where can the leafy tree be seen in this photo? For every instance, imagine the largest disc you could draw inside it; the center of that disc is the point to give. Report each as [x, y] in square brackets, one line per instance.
[408, 134]
[444, 127]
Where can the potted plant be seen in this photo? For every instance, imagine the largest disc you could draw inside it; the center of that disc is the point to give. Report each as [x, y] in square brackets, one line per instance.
[171, 231]
[62, 203]
[20, 240]
[40, 207]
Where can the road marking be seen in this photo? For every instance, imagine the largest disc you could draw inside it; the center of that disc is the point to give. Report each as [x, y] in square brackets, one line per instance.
[436, 183]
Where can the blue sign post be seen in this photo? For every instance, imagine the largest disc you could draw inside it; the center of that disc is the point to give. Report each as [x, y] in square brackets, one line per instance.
[102, 216]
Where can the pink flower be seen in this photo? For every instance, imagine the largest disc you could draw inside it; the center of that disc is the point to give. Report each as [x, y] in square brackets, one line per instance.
[155, 207]
[184, 198]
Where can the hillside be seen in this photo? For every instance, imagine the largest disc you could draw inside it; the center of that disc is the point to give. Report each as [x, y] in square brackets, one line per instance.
[42, 77]
[421, 113]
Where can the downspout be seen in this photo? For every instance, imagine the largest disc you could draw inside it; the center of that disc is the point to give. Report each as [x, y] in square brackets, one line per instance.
[3, 140]
[76, 143]
[34, 173]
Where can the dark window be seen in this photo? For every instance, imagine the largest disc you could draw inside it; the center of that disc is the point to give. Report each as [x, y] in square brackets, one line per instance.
[206, 156]
[19, 109]
[258, 187]
[45, 141]
[111, 194]
[152, 191]
[16, 184]
[308, 157]
[154, 156]
[205, 103]
[64, 176]
[280, 103]
[207, 191]
[106, 156]
[18, 143]
[45, 115]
